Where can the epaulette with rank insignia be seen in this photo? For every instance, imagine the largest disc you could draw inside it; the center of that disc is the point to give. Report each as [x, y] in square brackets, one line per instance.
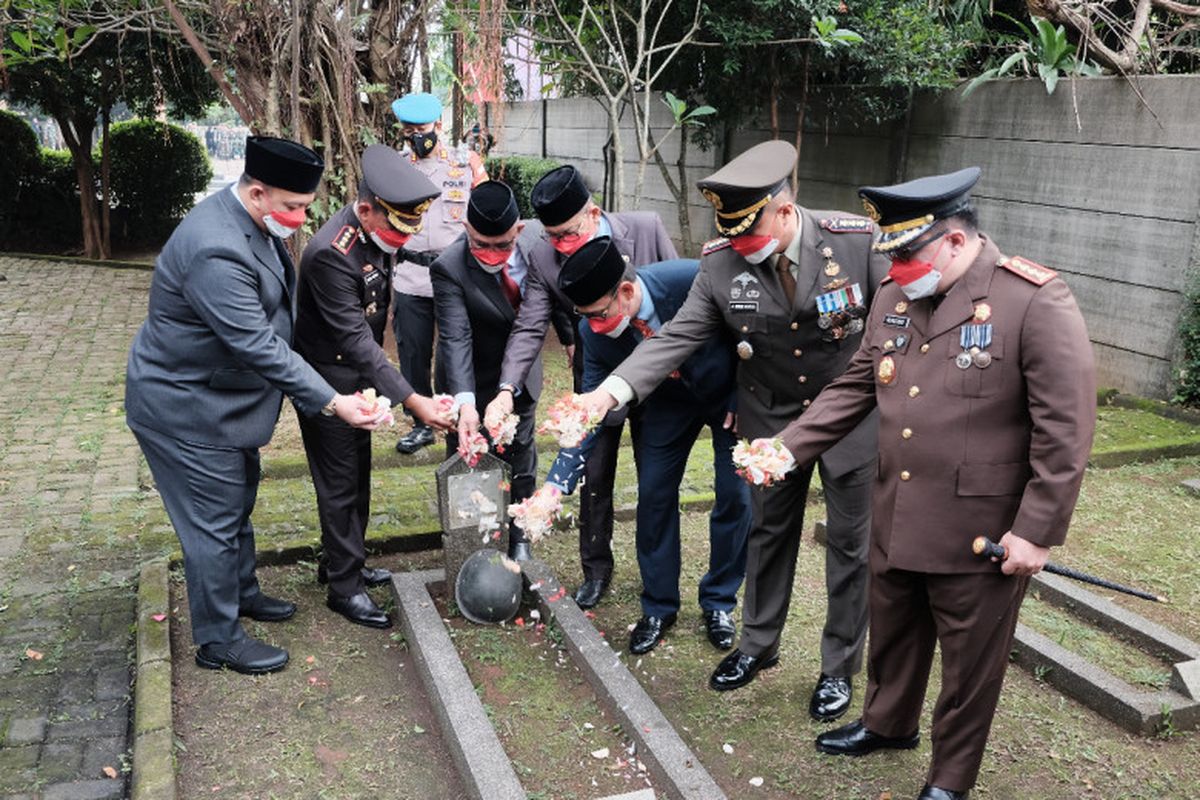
[714, 245]
[345, 239]
[848, 225]
[1031, 271]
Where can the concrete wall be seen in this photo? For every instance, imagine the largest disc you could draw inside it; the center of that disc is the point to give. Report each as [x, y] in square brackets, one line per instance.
[1092, 181]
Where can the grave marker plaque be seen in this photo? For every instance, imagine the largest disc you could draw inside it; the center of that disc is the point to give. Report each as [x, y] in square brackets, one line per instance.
[472, 506]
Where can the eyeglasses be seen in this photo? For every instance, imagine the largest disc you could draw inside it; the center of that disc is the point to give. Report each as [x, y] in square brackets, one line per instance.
[602, 313]
[499, 247]
[906, 253]
[574, 230]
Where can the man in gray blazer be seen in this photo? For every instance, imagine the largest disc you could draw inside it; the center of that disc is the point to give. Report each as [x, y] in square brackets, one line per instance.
[205, 380]
[567, 219]
[793, 286]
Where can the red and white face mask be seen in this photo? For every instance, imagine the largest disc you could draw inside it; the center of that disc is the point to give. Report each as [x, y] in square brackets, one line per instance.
[567, 245]
[611, 326]
[284, 223]
[916, 278]
[491, 259]
[755, 249]
[388, 240]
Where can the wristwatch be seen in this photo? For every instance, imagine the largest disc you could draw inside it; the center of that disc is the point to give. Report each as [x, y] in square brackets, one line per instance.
[330, 408]
[508, 387]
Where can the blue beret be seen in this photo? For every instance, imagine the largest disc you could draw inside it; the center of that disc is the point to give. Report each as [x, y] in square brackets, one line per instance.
[417, 108]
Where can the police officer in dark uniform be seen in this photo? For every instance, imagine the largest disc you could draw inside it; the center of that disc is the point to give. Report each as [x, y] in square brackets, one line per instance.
[793, 286]
[342, 308]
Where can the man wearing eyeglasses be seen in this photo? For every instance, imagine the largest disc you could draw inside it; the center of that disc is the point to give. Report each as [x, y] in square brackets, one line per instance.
[479, 284]
[569, 218]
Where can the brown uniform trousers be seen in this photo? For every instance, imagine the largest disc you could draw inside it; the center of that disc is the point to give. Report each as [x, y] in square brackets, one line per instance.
[964, 450]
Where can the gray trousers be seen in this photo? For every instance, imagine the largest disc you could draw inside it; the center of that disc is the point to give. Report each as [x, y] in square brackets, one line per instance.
[209, 493]
[778, 519]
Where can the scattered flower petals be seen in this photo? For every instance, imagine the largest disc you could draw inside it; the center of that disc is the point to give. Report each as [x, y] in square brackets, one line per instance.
[587, 726]
[109, 772]
[728, 748]
[310, 660]
[501, 430]
[536, 513]
[569, 421]
[763, 461]
[756, 781]
[535, 614]
[418, 729]
[158, 617]
[601, 753]
[535, 586]
[36, 655]
[511, 566]
[472, 448]
[519, 622]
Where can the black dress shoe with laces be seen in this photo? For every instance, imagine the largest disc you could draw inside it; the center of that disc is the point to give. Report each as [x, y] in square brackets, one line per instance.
[359, 609]
[648, 632]
[855, 740]
[267, 609]
[830, 698]
[519, 551]
[590, 591]
[737, 669]
[420, 436]
[938, 793]
[720, 628]
[372, 576]
[248, 656]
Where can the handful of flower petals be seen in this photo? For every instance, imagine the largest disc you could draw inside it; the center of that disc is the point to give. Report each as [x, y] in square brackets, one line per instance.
[472, 448]
[536, 513]
[762, 461]
[569, 421]
[501, 430]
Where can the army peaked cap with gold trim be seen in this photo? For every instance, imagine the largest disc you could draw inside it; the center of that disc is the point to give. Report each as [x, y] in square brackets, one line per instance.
[907, 210]
[741, 189]
[399, 188]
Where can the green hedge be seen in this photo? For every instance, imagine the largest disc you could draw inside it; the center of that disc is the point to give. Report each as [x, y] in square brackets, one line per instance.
[18, 167]
[521, 173]
[156, 170]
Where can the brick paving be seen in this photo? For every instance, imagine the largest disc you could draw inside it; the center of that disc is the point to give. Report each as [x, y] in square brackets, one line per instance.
[67, 576]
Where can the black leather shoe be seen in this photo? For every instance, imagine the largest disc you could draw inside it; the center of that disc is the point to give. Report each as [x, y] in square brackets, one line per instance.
[247, 656]
[590, 591]
[855, 740]
[720, 628]
[359, 609]
[420, 436]
[648, 633]
[268, 609]
[737, 669]
[830, 698]
[937, 793]
[372, 576]
[519, 551]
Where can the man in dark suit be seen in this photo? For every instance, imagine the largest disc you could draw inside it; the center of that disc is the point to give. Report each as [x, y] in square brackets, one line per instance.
[205, 380]
[621, 307]
[792, 285]
[980, 367]
[479, 283]
[342, 309]
[568, 217]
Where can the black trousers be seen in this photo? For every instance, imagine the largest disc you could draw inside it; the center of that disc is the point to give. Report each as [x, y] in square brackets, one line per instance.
[339, 459]
[413, 325]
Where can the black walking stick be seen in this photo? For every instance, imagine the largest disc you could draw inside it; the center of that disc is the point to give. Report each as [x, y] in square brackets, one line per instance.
[985, 547]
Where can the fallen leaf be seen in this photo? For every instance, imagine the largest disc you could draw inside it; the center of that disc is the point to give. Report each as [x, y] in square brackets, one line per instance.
[418, 729]
[110, 772]
[34, 654]
[601, 753]
[158, 617]
[70, 568]
[728, 748]
[756, 781]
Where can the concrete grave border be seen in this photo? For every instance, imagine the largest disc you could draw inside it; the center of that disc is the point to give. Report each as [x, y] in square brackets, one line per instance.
[153, 726]
[485, 769]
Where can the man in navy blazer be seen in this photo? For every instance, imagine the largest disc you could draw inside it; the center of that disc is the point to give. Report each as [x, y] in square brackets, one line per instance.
[205, 381]
[620, 307]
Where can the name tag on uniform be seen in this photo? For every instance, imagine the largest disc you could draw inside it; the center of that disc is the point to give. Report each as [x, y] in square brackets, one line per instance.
[372, 277]
[896, 321]
[743, 305]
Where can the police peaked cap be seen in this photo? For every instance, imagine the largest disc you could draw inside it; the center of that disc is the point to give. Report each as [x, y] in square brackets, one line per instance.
[492, 208]
[559, 195]
[418, 108]
[907, 210]
[398, 187]
[283, 164]
[591, 272]
[741, 189]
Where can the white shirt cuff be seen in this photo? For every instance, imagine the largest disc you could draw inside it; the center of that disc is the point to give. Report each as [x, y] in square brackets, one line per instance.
[464, 398]
[619, 389]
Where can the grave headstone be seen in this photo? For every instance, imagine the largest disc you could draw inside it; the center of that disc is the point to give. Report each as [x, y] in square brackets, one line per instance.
[472, 509]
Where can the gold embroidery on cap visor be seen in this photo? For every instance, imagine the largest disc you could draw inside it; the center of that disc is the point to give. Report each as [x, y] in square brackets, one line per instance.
[871, 210]
[405, 221]
[712, 197]
[888, 245]
[746, 216]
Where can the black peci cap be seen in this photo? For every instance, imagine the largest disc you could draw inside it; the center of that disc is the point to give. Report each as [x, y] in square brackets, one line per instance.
[741, 189]
[907, 210]
[399, 187]
[591, 272]
[559, 195]
[492, 208]
[283, 164]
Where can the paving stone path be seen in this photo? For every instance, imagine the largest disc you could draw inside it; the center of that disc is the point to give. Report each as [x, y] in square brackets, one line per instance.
[67, 571]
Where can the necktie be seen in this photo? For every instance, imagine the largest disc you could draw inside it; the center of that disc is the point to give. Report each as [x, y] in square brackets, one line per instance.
[510, 288]
[784, 267]
[645, 330]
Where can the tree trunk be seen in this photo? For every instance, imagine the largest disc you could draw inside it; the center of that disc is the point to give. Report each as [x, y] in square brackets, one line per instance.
[800, 109]
[105, 193]
[773, 102]
[614, 127]
[681, 198]
[77, 135]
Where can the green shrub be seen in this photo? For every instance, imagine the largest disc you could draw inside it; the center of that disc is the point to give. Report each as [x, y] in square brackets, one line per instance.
[521, 173]
[18, 168]
[1187, 373]
[156, 169]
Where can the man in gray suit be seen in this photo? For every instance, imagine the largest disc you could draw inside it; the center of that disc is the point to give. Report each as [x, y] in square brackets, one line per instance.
[205, 381]
[567, 219]
[793, 286]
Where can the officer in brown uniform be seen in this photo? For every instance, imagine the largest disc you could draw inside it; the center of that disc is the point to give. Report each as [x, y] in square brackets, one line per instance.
[982, 373]
[342, 309]
[793, 286]
[454, 173]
